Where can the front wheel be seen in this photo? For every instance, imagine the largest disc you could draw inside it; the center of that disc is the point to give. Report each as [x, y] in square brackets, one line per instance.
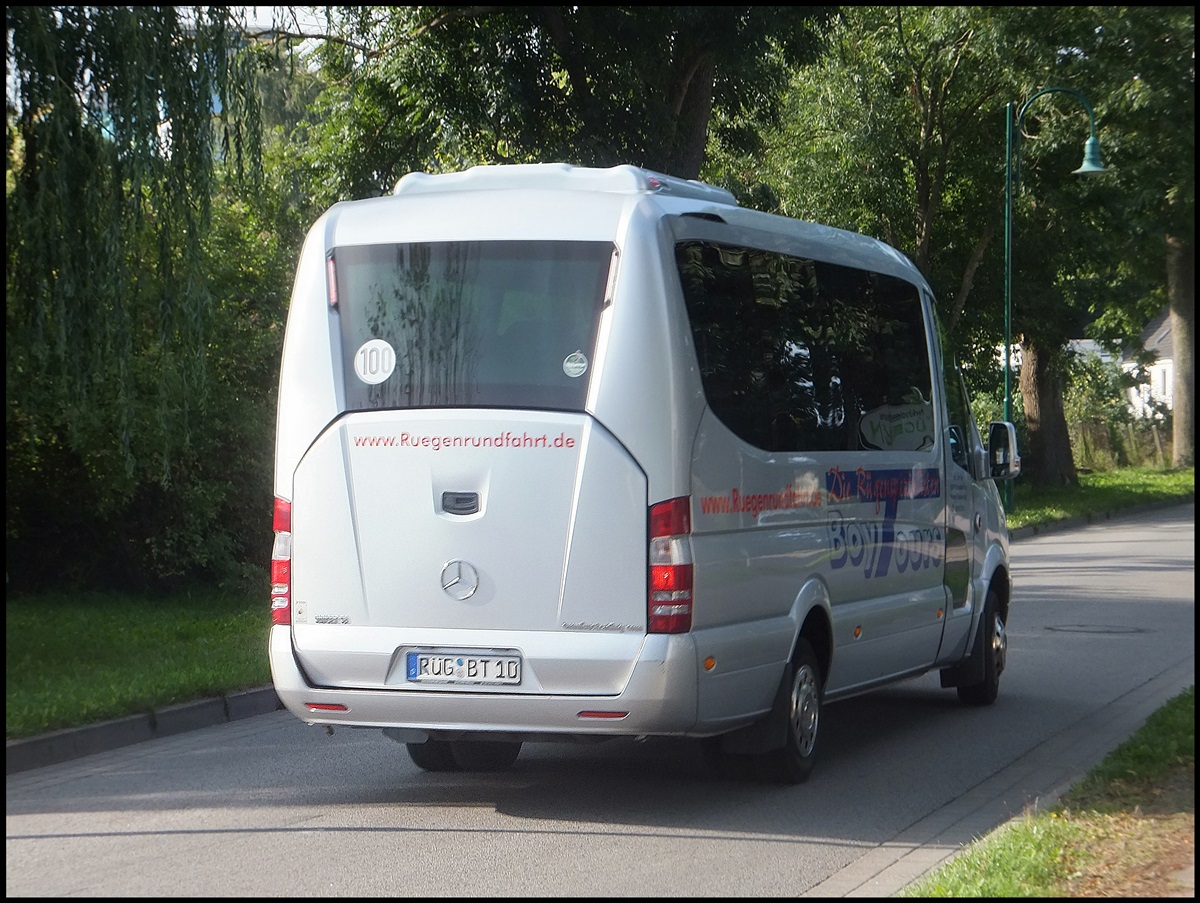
[995, 654]
[794, 762]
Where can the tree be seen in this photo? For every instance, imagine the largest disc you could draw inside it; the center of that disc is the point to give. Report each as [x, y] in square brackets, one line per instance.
[886, 135]
[119, 121]
[1181, 289]
[899, 132]
[1146, 58]
[438, 88]
[1139, 64]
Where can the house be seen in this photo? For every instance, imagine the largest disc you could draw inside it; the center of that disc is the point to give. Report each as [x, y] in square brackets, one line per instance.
[1146, 397]
[1155, 338]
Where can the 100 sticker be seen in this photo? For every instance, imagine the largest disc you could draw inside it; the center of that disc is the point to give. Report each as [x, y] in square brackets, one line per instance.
[374, 361]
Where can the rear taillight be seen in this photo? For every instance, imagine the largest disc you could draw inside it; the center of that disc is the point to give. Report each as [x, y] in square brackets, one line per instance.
[669, 605]
[281, 564]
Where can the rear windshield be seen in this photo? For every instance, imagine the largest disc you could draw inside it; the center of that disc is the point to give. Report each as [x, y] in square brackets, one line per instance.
[461, 324]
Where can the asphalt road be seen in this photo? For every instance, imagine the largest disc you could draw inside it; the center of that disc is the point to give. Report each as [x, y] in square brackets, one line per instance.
[1101, 634]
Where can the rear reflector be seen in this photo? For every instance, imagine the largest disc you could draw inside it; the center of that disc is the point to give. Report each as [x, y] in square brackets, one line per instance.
[325, 707]
[609, 715]
[669, 605]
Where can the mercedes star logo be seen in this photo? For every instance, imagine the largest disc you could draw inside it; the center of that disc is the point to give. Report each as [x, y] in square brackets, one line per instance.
[459, 579]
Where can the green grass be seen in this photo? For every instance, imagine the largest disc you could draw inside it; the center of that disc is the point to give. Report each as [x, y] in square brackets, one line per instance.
[77, 659]
[1099, 493]
[1096, 835]
[81, 658]
[1030, 858]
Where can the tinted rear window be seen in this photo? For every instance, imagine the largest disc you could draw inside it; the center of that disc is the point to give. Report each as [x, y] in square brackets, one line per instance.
[460, 324]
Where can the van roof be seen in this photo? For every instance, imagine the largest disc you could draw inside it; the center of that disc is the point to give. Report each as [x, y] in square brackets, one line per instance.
[623, 179]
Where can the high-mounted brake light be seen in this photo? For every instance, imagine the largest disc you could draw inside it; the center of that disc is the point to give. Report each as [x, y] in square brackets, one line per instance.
[281, 564]
[331, 282]
[669, 605]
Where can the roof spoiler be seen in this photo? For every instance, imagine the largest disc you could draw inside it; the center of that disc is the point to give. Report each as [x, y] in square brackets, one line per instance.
[562, 176]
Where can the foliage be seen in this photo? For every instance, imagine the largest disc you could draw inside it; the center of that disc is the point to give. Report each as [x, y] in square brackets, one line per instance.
[1105, 432]
[1097, 390]
[440, 88]
[120, 123]
[898, 131]
[147, 283]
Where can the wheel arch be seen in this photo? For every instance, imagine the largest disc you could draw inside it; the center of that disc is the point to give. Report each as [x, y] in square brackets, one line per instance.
[812, 612]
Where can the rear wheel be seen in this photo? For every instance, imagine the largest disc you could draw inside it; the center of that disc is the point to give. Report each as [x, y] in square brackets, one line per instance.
[485, 755]
[432, 755]
[995, 653]
[794, 762]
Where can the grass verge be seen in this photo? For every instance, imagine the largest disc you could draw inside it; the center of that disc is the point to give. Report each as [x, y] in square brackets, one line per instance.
[1120, 832]
[76, 659]
[1098, 494]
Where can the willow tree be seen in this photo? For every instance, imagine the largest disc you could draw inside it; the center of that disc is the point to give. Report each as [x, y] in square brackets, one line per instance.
[119, 122]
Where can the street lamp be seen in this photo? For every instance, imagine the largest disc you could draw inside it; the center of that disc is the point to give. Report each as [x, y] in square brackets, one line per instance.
[1092, 165]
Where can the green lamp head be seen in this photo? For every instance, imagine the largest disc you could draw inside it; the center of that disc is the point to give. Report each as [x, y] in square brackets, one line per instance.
[1092, 165]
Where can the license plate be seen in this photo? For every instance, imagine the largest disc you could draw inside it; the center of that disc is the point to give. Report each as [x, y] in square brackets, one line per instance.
[469, 668]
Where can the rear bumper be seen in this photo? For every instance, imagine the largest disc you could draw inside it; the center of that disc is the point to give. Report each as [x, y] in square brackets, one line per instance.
[660, 698]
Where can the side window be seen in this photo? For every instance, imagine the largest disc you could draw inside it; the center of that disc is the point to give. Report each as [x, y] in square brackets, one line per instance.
[802, 355]
[958, 407]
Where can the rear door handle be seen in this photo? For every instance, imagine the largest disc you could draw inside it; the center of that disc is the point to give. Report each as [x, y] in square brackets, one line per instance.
[460, 502]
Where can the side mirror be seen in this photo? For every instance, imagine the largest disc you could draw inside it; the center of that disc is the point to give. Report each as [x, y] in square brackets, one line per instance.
[1004, 463]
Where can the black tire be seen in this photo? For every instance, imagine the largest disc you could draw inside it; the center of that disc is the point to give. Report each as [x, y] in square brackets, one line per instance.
[432, 755]
[485, 755]
[794, 762]
[995, 654]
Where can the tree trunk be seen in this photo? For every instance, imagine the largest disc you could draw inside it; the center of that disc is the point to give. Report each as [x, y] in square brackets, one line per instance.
[1047, 461]
[692, 101]
[1181, 294]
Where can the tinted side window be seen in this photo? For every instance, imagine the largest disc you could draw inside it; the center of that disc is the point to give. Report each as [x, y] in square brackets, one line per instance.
[958, 408]
[801, 355]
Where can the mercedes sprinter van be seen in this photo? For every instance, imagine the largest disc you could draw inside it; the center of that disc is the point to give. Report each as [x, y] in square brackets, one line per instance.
[580, 453]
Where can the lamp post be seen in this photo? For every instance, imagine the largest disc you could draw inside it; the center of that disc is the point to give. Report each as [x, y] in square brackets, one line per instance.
[1092, 165]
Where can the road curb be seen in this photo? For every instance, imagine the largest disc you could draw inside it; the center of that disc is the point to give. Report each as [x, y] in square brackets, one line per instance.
[71, 743]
